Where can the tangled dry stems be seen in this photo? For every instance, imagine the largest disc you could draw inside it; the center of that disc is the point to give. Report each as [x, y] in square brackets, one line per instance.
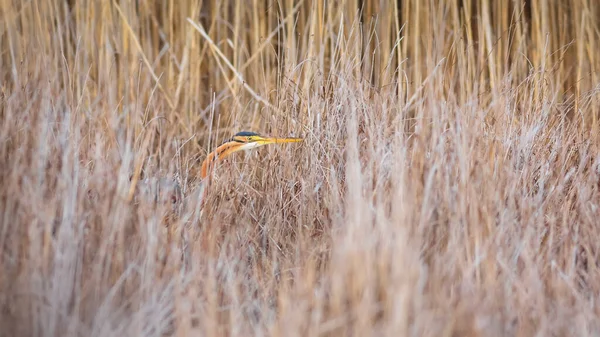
[447, 185]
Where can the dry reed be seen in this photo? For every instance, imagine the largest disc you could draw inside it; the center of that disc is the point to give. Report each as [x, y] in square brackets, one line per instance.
[448, 184]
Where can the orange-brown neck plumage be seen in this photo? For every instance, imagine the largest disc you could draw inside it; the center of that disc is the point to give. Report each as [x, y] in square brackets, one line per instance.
[209, 163]
[240, 141]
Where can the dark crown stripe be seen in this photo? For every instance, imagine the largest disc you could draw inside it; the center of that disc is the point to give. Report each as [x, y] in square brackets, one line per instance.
[246, 134]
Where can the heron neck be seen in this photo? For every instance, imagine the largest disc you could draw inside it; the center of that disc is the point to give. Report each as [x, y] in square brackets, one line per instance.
[209, 163]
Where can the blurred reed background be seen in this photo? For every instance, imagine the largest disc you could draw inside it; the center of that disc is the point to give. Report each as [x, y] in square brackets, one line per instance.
[447, 185]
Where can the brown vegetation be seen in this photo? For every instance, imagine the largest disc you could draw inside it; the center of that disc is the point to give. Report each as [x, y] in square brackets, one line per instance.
[448, 184]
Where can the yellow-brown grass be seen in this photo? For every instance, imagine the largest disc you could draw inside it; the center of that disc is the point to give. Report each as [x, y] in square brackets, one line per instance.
[447, 185]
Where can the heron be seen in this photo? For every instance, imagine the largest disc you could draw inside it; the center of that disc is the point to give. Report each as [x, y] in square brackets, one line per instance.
[244, 140]
[169, 189]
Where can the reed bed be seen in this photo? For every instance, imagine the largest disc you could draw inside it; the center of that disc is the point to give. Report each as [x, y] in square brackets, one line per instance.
[448, 183]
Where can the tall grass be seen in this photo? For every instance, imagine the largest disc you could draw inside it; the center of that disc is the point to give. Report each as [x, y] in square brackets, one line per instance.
[448, 184]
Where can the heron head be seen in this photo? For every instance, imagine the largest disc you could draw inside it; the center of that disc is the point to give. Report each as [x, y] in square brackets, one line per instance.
[244, 140]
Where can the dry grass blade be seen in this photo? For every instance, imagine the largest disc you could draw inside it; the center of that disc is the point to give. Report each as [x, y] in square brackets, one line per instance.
[238, 75]
[447, 183]
[144, 58]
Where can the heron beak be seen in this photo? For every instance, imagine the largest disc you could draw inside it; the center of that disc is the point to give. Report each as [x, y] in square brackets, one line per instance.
[276, 140]
[258, 141]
